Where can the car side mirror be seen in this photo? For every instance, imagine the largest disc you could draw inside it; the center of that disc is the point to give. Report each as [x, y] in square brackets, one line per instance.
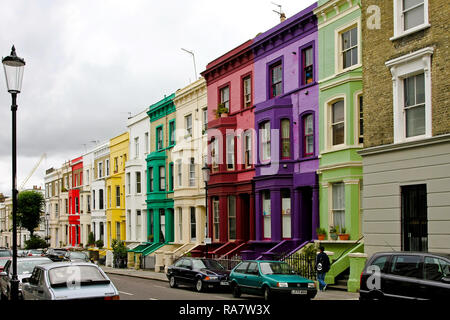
[3, 274]
[446, 280]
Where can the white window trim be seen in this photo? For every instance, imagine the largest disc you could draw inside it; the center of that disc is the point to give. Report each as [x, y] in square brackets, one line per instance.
[327, 121]
[401, 68]
[356, 96]
[398, 21]
[338, 68]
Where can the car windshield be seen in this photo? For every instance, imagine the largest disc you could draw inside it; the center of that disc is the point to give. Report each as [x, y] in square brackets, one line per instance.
[276, 268]
[80, 274]
[58, 252]
[26, 267]
[5, 253]
[77, 255]
[36, 251]
[213, 265]
[3, 262]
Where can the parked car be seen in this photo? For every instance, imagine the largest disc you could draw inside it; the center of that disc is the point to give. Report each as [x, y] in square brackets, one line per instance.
[76, 256]
[25, 267]
[406, 275]
[199, 273]
[67, 281]
[36, 253]
[5, 255]
[22, 253]
[270, 279]
[56, 254]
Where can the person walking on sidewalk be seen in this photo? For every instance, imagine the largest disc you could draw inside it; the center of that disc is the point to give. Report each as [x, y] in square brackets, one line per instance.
[322, 267]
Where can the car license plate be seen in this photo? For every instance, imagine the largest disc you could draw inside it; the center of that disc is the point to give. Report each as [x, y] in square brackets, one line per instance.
[224, 283]
[299, 292]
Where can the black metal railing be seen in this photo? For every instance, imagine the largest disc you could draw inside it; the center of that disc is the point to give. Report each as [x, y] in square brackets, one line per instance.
[303, 264]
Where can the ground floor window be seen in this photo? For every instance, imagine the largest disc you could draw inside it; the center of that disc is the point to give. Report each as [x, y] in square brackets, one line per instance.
[193, 224]
[216, 233]
[266, 214]
[286, 213]
[232, 217]
[162, 224]
[338, 205]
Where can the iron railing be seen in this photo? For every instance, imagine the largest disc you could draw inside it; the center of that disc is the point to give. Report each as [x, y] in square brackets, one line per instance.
[301, 263]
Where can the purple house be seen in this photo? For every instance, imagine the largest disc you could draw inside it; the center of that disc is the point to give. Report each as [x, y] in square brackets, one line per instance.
[286, 95]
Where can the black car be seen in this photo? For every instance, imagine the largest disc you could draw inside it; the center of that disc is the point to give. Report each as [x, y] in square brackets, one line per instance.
[406, 275]
[56, 254]
[198, 272]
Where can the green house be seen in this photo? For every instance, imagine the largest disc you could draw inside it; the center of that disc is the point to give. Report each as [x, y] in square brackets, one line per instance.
[340, 128]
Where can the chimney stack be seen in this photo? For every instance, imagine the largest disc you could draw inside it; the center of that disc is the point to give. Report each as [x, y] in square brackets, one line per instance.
[282, 17]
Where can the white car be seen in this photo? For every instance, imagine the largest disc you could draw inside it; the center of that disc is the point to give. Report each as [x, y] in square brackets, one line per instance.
[66, 280]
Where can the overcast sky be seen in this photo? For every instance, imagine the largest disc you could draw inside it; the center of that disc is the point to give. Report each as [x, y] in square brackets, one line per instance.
[91, 63]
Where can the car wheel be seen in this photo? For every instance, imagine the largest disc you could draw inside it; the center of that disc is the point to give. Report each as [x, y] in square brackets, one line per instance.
[173, 282]
[199, 287]
[236, 290]
[267, 293]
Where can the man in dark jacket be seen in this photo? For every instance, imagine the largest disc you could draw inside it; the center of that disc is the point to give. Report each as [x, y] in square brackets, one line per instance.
[322, 267]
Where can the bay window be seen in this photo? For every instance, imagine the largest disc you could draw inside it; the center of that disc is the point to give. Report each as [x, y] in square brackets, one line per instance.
[285, 139]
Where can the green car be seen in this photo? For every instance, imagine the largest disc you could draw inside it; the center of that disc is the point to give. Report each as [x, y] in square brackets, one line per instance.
[269, 279]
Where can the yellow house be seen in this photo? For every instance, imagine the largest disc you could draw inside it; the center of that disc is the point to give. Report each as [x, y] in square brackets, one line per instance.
[115, 189]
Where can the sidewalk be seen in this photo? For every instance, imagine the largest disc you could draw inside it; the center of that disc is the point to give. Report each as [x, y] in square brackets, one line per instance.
[145, 274]
[161, 276]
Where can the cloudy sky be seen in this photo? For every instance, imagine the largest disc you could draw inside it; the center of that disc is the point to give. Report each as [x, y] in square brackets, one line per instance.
[91, 63]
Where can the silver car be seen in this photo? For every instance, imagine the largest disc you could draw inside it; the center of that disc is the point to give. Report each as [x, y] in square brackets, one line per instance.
[25, 267]
[69, 280]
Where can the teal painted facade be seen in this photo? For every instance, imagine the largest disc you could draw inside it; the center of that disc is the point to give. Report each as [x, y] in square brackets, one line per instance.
[160, 211]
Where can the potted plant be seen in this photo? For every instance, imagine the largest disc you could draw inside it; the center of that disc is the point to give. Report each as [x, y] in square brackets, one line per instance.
[321, 233]
[333, 233]
[221, 109]
[343, 235]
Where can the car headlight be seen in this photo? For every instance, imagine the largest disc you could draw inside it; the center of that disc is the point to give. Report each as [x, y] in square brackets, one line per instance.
[311, 285]
[208, 278]
[282, 284]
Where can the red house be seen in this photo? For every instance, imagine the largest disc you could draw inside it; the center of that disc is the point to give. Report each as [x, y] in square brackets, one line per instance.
[231, 139]
[74, 201]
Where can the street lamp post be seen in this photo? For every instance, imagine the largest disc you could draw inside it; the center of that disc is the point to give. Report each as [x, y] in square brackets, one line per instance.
[205, 171]
[13, 67]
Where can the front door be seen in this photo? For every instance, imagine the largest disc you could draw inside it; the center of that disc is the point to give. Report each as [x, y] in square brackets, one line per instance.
[414, 218]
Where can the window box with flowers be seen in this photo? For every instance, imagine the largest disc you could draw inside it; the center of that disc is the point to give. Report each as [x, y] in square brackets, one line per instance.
[221, 111]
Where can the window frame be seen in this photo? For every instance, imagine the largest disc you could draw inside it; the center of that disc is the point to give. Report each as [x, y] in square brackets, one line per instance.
[159, 137]
[231, 150]
[399, 30]
[302, 80]
[172, 131]
[402, 67]
[284, 139]
[162, 177]
[247, 103]
[339, 67]
[304, 136]
[270, 67]
[332, 124]
[187, 126]
[192, 172]
[264, 140]
[220, 90]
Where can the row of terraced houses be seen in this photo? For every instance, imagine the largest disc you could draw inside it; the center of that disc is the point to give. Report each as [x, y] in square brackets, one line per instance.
[339, 116]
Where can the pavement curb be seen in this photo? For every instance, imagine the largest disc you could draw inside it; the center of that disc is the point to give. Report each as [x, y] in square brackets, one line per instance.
[132, 274]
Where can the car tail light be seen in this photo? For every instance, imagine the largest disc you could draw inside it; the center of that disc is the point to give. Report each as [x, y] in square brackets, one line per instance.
[360, 278]
[30, 254]
[112, 297]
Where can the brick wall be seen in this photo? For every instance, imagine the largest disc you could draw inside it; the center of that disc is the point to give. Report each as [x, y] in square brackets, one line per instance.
[377, 79]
